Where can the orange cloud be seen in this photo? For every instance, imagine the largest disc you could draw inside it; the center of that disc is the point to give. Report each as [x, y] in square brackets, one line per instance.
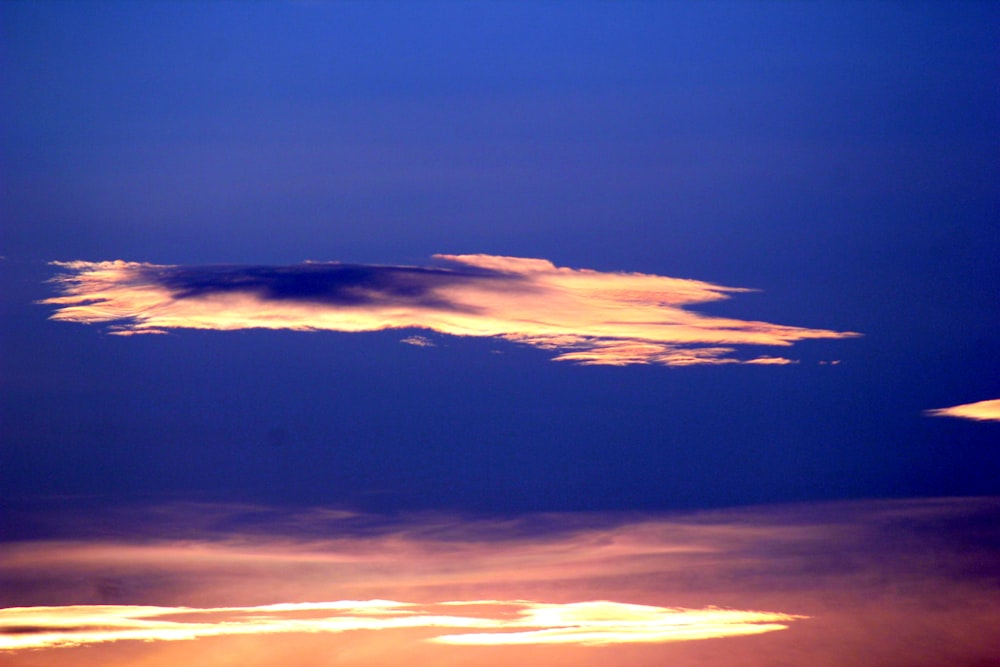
[588, 317]
[979, 411]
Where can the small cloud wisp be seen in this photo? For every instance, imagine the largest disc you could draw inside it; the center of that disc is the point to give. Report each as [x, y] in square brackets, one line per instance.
[978, 411]
[588, 317]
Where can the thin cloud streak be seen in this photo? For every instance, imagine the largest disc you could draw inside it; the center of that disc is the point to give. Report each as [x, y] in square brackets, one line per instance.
[596, 623]
[602, 623]
[978, 411]
[587, 317]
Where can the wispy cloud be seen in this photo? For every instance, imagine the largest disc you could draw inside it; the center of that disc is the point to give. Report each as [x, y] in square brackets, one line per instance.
[979, 411]
[601, 623]
[594, 623]
[418, 341]
[585, 316]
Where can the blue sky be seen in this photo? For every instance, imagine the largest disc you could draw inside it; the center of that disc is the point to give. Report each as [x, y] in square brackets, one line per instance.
[838, 158]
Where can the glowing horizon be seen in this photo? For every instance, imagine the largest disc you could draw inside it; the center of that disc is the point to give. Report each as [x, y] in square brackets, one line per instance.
[432, 588]
[585, 316]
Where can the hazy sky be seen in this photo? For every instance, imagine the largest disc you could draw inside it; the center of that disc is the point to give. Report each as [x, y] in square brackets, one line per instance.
[582, 258]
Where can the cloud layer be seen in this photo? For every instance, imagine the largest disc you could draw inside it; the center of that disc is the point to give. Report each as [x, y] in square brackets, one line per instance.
[586, 316]
[979, 411]
[892, 583]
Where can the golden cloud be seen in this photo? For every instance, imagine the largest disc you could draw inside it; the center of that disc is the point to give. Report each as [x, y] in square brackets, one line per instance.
[588, 317]
[584, 623]
[978, 411]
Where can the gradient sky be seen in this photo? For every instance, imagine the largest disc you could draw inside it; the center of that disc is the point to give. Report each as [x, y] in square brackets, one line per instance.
[814, 183]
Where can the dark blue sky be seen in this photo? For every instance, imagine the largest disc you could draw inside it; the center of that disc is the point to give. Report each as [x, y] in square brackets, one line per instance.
[839, 157]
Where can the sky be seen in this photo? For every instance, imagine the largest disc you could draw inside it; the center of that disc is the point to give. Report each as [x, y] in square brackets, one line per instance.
[499, 333]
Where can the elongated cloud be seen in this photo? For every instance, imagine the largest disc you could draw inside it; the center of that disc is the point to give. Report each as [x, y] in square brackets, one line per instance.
[601, 623]
[585, 623]
[586, 316]
[979, 411]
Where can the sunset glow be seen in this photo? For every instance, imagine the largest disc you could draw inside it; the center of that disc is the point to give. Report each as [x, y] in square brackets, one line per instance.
[439, 583]
[499, 334]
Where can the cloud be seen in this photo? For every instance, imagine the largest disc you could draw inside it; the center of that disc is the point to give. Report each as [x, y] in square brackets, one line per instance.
[585, 316]
[901, 583]
[418, 341]
[592, 623]
[979, 411]
[601, 623]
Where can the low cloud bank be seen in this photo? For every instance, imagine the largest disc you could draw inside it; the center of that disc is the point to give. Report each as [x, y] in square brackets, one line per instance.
[906, 583]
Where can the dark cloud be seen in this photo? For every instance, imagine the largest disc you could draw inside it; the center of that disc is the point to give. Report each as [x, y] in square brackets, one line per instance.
[327, 283]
